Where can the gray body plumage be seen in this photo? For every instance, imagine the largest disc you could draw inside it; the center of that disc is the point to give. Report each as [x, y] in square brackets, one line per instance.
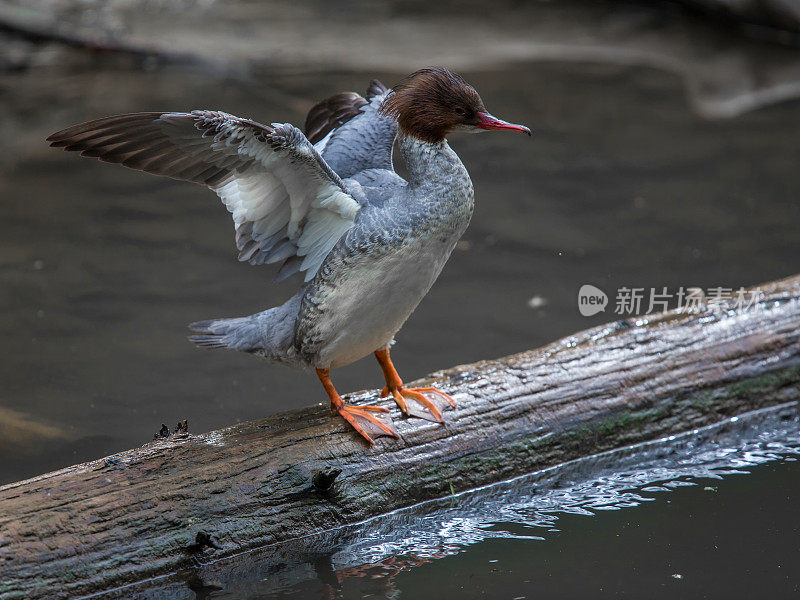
[378, 272]
[368, 243]
[382, 268]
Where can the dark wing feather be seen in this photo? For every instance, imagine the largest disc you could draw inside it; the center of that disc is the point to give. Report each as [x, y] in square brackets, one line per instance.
[337, 110]
[142, 141]
[331, 113]
[376, 88]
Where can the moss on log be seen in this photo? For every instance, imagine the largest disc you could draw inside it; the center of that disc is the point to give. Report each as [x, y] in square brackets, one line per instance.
[148, 511]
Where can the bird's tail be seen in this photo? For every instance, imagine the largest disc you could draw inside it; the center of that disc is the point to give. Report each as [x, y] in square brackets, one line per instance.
[269, 334]
[241, 333]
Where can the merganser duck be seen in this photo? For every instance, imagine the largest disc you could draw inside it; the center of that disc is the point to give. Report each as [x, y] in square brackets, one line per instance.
[327, 204]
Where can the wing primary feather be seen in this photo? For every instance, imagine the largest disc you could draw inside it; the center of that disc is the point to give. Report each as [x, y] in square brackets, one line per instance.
[289, 268]
[281, 252]
[284, 198]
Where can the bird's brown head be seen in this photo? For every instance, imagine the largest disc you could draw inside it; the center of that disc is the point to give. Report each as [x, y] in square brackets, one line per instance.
[432, 102]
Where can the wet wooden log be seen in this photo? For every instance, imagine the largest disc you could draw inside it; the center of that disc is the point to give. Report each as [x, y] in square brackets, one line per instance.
[158, 508]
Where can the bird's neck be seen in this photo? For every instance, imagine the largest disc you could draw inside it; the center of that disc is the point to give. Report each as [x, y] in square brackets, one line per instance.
[431, 163]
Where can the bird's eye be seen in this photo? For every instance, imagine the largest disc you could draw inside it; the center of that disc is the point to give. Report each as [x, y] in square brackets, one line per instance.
[460, 111]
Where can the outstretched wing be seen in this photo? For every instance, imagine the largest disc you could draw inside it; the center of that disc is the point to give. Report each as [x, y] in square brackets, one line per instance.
[350, 132]
[287, 203]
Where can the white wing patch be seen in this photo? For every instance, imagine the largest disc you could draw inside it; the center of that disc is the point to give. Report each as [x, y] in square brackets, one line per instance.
[332, 214]
[315, 211]
[284, 190]
[278, 199]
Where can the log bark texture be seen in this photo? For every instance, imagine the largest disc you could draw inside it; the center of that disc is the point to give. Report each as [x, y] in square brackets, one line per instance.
[148, 511]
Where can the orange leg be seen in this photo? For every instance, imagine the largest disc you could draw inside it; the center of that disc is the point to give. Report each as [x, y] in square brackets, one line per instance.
[426, 403]
[370, 421]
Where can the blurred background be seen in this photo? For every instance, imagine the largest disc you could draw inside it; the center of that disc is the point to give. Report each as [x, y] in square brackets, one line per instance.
[665, 153]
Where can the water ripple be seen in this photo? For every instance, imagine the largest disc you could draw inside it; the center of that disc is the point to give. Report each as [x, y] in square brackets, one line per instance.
[529, 507]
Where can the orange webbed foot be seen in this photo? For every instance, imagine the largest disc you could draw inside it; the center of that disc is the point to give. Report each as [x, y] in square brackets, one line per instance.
[370, 421]
[425, 402]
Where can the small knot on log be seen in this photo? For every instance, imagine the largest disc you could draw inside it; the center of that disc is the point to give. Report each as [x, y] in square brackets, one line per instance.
[202, 541]
[323, 480]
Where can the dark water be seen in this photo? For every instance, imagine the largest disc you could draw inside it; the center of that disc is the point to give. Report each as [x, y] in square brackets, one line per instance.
[101, 268]
[677, 546]
[709, 514]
